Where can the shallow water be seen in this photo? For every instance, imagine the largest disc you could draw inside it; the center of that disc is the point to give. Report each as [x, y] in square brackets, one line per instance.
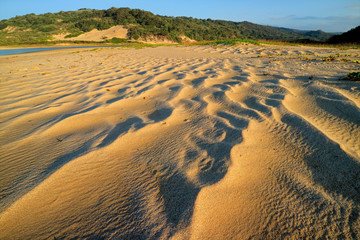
[28, 50]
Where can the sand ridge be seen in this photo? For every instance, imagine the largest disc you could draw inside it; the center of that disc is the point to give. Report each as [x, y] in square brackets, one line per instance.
[193, 142]
[118, 31]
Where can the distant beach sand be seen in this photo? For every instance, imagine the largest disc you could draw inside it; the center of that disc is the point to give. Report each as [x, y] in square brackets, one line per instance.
[190, 142]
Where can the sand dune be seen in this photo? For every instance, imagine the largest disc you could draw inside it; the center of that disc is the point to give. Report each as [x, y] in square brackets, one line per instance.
[97, 35]
[246, 142]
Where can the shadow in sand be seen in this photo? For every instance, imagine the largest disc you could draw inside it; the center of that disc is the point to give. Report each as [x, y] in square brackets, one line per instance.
[121, 128]
[178, 192]
[61, 161]
[198, 81]
[331, 167]
[160, 114]
[179, 197]
[114, 99]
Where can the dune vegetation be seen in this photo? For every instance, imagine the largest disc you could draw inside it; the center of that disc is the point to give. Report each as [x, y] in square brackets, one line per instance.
[142, 25]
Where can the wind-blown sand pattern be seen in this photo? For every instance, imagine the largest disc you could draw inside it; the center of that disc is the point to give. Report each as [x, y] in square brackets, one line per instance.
[179, 142]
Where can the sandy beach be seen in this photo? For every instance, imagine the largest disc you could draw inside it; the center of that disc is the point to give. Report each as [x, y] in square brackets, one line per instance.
[187, 142]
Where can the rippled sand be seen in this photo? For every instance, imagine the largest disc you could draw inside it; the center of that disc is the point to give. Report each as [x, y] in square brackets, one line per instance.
[247, 142]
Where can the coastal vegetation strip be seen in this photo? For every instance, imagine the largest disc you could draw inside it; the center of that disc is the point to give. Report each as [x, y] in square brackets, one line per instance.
[140, 25]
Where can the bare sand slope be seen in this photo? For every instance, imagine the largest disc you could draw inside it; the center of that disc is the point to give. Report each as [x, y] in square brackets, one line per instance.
[97, 35]
[179, 142]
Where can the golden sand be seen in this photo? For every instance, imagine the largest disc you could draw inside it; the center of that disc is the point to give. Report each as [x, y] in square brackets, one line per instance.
[246, 142]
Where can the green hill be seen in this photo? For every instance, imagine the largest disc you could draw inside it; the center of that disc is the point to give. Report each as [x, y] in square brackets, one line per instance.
[141, 24]
[352, 36]
[311, 35]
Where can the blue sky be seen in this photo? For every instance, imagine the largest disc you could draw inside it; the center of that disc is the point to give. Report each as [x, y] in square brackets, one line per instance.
[327, 15]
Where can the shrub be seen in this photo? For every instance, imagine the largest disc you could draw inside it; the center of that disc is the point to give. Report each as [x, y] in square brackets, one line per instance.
[3, 25]
[71, 35]
[133, 33]
[328, 59]
[86, 25]
[353, 76]
[117, 40]
[48, 28]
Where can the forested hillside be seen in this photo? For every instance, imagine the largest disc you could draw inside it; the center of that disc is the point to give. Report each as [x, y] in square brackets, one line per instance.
[351, 36]
[141, 24]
